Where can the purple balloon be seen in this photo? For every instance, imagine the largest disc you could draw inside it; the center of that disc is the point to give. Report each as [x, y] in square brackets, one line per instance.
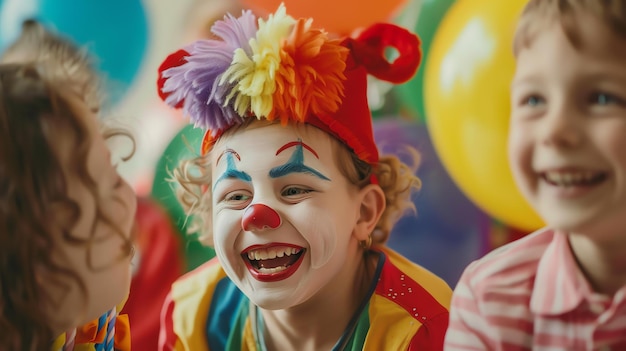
[449, 231]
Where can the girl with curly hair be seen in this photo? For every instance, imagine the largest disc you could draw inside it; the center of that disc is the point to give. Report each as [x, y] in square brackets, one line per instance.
[66, 215]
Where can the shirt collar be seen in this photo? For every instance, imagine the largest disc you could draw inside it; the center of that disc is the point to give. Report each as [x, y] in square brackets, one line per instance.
[95, 333]
[559, 286]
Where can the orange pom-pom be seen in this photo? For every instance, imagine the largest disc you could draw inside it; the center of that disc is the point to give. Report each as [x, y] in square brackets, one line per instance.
[310, 79]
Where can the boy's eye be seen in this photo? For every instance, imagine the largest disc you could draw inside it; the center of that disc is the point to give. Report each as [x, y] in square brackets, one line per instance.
[604, 99]
[533, 100]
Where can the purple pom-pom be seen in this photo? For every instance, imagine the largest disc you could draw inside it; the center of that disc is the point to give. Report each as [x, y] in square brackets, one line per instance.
[197, 81]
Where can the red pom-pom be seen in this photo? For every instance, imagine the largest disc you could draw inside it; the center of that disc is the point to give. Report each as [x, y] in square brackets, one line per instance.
[368, 49]
[173, 60]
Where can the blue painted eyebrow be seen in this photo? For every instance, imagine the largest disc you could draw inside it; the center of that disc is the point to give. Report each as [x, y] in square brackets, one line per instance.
[291, 167]
[295, 165]
[232, 171]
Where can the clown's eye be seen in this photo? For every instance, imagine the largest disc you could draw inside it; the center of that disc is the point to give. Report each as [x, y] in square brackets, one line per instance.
[236, 197]
[295, 191]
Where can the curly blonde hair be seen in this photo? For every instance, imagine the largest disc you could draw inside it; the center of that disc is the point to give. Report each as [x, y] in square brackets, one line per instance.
[537, 14]
[397, 179]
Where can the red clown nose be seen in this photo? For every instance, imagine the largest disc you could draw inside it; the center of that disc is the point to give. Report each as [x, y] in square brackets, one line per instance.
[259, 217]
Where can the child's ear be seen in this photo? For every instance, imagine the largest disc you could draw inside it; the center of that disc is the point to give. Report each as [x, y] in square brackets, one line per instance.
[372, 206]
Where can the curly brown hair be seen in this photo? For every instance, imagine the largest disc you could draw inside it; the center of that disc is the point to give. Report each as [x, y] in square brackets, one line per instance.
[35, 106]
[397, 179]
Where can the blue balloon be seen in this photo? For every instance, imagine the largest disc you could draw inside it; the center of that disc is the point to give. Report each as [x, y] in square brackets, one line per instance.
[114, 31]
[449, 231]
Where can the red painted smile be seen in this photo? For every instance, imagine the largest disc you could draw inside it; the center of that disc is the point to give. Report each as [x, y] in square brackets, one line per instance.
[273, 262]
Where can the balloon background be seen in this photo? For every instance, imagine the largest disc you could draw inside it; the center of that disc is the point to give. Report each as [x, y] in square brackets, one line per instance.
[338, 17]
[466, 93]
[429, 16]
[118, 39]
[448, 231]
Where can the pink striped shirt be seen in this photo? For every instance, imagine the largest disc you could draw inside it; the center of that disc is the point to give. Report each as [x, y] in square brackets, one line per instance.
[530, 294]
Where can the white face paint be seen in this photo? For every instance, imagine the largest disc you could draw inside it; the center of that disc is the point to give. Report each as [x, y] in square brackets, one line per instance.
[283, 214]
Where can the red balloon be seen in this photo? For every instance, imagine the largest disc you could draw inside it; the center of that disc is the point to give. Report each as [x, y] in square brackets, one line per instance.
[340, 17]
[158, 263]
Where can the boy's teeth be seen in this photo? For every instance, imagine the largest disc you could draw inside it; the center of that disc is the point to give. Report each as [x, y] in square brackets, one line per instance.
[570, 178]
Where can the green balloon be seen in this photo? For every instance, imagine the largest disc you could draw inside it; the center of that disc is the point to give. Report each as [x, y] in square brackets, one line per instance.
[431, 12]
[185, 145]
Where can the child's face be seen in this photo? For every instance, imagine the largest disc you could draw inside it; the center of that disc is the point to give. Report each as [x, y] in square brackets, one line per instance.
[107, 278]
[283, 213]
[567, 142]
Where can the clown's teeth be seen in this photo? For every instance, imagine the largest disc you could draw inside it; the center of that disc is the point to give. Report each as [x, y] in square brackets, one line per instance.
[271, 270]
[265, 254]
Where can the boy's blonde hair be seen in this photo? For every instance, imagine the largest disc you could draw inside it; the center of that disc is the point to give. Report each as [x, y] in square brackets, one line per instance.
[540, 13]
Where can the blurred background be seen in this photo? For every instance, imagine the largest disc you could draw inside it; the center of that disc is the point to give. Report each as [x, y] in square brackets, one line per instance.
[454, 112]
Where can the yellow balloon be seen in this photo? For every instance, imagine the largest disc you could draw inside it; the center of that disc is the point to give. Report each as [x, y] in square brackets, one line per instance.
[467, 77]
